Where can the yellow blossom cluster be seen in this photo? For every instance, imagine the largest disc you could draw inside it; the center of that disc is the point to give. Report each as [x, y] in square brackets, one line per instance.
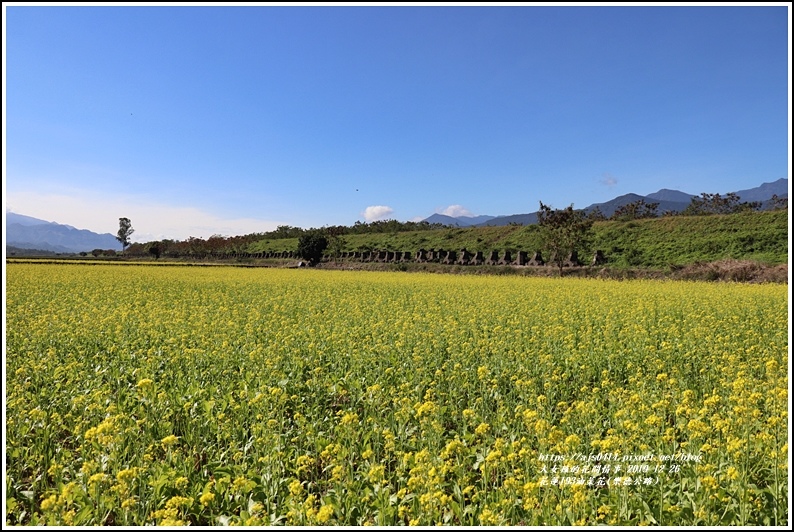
[173, 395]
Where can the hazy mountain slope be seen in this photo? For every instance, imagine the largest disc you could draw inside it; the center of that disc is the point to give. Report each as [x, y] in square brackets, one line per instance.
[21, 219]
[51, 236]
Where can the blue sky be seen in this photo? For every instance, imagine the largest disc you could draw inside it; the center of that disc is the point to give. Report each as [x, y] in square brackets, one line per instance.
[203, 120]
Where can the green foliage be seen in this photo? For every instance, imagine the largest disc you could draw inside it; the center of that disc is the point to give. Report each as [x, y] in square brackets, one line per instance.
[285, 231]
[716, 204]
[596, 215]
[563, 231]
[311, 246]
[359, 228]
[103, 252]
[636, 210]
[336, 242]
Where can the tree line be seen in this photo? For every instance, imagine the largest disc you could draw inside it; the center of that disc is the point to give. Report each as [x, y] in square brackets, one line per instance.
[564, 229]
[702, 205]
[218, 244]
[358, 228]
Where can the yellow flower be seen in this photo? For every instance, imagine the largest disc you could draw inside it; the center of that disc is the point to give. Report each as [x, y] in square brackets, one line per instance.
[426, 408]
[493, 456]
[97, 478]
[49, 503]
[487, 517]
[177, 501]
[68, 518]
[350, 418]
[652, 420]
[54, 470]
[169, 440]
[325, 513]
[709, 482]
[129, 503]
[126, 475]
[296, 488]
[337, 472]
[243, 485]
[376, 473]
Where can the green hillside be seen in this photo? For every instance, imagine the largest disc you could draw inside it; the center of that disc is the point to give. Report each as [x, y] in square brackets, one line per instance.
[679, 240]
[649, 243]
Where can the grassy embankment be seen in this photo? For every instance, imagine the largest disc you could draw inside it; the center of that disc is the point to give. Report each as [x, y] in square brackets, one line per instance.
[657, 243]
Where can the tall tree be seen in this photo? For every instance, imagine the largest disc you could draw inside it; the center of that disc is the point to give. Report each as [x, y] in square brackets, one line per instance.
[335, 240]
[778, 202]
[311, 246]
[125, 231]
[563, 231]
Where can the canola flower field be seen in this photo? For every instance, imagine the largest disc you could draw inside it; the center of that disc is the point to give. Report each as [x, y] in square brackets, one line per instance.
[211, 396]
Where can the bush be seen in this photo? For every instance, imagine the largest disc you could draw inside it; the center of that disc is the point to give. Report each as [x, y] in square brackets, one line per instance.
[311, 247]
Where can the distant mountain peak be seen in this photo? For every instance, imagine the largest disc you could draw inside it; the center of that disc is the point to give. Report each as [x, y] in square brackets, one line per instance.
[667, 194]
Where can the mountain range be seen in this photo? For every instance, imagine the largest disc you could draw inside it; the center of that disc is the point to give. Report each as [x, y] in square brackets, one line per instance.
[668, 200]
[26, 232]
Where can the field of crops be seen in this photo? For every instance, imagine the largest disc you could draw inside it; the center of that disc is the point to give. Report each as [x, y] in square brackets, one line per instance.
[185, 395]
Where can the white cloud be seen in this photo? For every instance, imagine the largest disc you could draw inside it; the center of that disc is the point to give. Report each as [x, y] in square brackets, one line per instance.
[609, 180]
[455, 211]
[151, 221]
[376, 212]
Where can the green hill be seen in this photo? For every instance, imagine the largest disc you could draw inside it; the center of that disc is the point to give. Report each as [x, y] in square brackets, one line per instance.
[658, 243]
[680, 240]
